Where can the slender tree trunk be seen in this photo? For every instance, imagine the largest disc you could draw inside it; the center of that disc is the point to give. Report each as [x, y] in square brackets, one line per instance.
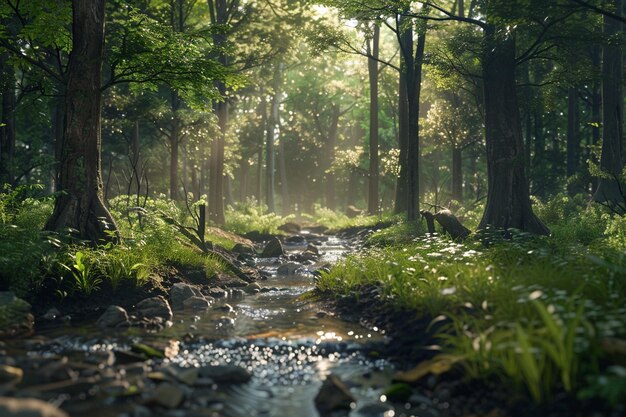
[400, 204]
[508, 199]
[457, 174]
[413, 151]
[330, 180]
[573, 136]
[284, 182]
[174, 142]
[270, 178]
[81, 205]
[611, 162]
[7, 128]
[372, 65]
[243, 179]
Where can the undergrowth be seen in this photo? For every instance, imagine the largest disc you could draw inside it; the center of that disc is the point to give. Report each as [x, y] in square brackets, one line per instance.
[533, 313]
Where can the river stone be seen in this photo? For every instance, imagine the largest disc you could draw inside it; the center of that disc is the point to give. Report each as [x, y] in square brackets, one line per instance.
[217, 292]
[51, 314]
[168, 395]
[273, 249]
[252, 288]
[15, 316]
[313, 249]
[243, 249]
[10, 375]
[288, 268]
[225, 374]
[197, 303]
[28, 407]
[333, 395]
[226, 281]
[181, 292]
[114, 316]
[155, 307]
[291, 228]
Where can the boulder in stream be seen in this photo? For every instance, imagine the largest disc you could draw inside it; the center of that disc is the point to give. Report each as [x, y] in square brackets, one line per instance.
[15, 315]
[273, 249]
[28, 407]
[153, 307]
[180, 292]
[225, 374]
[113, 316]
[333, 395]
[243, 249]
[197, 303]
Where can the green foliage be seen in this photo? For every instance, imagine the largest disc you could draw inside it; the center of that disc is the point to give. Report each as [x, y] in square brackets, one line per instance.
[336, 221]
[526, 311]
[249, 216]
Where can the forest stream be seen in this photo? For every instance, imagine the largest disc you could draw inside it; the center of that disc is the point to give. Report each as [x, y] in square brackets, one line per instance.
[286, 344]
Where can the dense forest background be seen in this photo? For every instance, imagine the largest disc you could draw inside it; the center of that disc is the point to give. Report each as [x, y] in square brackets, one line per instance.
[299, 106]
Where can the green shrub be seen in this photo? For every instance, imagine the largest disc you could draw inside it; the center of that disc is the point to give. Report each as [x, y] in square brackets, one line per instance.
[249, 216]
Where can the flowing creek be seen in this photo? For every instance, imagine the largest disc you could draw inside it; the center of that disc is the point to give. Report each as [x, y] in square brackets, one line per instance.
[286, 343]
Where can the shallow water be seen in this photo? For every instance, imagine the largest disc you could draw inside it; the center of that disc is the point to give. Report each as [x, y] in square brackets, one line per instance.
[285, 341]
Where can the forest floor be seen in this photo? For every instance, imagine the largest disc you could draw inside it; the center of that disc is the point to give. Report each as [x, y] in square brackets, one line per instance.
[395, 322]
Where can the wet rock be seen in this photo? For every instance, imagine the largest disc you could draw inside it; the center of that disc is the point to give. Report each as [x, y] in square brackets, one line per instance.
[243, 249]
[113, 316]
[225, 322]
[237, 293]
[225, 374]
[15, 316]
[168, 395]
[51, 314]
[295, 240]
[197, 303]
[154, 307]
[181, 292]
[291, 228]
[252, 288]
[227, 308]
[124, 357]
[288, 269]
[28, 407]
[273, 249]
[226, 281]
[374, 410]
[10, 376]
[217, 292]
[313, 249]
[333, 395]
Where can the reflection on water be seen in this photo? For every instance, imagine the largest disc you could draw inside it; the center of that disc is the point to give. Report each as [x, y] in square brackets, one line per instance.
[287, 344]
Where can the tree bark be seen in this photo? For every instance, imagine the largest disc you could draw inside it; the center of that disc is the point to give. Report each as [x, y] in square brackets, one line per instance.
[331, 142]
[611, 162]
[270, 178]
[219, 16]
[7, 130]
[81, 206]
[457, 174]
[573, 135]
[372, 65]
[400, 204]
[508, 199]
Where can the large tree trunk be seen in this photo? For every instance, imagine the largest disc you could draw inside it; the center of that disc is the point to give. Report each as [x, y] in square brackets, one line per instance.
[508, 199]
[457, 174]
[7, 126]
[609, 189]
[81, 205]
[372, 65]
[219, 16]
